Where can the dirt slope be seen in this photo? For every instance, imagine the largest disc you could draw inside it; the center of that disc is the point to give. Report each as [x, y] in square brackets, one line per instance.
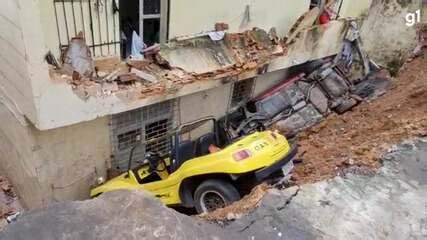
[359, 136]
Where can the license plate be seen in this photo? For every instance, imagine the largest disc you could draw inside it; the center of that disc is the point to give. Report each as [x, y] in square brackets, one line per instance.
[260, 145]
[288, 168]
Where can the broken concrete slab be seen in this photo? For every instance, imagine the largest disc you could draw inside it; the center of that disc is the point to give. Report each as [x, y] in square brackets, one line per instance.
[115, 215]
[200, 55]
[144, 75]
[78, 56]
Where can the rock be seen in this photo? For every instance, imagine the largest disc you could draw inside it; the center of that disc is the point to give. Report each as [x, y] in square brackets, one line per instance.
[115, 215]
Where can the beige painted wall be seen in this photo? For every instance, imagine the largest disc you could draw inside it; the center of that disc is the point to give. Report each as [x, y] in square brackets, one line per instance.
[354, 9]
[189, 16]
[54, 165]
[212, 102]
[33, 92]
[15, 80]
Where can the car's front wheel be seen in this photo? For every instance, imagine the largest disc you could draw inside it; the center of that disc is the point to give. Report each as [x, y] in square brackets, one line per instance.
[213, 194]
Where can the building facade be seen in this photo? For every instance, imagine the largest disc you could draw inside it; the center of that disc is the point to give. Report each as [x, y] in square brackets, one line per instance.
[54, 143]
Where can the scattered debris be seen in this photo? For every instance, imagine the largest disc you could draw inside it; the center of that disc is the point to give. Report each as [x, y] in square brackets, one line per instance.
[237, 209]
[420, 49]
[182, 61]
[10, 207]
[79, 57]
[50, 59]
[143, 75]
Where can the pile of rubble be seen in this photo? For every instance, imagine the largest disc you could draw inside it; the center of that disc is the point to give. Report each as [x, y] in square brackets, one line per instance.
[164, 67]
[216, 55]
[10, 206]
[335, 84]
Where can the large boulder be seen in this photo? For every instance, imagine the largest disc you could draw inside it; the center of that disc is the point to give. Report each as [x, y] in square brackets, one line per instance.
[115, 215]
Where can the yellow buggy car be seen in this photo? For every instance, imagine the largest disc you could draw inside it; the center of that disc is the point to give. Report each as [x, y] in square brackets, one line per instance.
[199, 174]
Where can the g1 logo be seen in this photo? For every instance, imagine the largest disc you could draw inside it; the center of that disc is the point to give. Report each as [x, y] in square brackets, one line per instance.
[413, 18]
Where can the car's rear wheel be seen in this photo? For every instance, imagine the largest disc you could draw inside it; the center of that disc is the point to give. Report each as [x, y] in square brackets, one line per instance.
[214, 194]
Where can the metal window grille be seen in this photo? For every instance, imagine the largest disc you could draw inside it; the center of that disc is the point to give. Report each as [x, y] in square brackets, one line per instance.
[151, 123]
[97, 19]
[242, 91]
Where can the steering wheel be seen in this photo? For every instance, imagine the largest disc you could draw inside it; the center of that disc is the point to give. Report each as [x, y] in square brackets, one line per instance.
[154, 160]
[251, 125]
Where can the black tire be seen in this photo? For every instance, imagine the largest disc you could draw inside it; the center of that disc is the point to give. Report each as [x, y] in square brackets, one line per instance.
[210, 190]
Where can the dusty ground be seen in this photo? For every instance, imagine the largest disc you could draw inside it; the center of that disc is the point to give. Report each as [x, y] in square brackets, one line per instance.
[356, 138]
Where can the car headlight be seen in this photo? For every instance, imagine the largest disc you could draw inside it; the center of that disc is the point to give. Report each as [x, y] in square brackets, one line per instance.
[100, 180]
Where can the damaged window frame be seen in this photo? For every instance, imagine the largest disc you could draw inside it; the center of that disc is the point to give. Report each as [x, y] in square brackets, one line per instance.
[161, 16]
[140, 15]
[241, 92]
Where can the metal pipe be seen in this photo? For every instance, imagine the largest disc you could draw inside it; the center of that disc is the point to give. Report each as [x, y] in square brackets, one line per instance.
[57, 26]
[108, 30]
[99, 25]
[96, 45]
[83, 18]
[114, 30]
[91, 26]
[74, 17]
[65, 19]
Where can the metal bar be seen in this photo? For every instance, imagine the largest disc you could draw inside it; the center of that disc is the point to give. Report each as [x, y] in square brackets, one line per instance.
[91, 26]
[65, 19]
[74, 17]
[164, 21]
[141, 19]
[151, 16]
[57, 26]
[98, 45]
[83, 18]
[99, 25]
[106, 22]
[114, 30]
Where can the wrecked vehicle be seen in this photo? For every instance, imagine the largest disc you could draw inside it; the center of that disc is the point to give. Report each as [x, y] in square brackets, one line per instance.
[332, 84]
[199, 174]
